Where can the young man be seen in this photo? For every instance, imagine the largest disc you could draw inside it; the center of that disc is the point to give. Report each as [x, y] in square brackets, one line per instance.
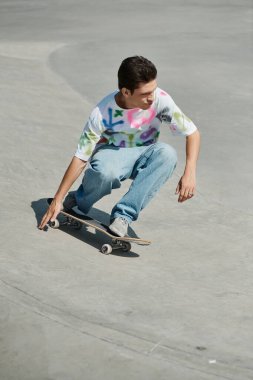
[120, 141]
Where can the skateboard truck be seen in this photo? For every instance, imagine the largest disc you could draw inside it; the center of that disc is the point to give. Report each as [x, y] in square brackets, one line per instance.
[68, 222]
[116, 244]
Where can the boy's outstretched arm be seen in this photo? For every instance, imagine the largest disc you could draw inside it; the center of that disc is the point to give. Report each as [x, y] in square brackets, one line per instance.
[187, 185]
[72, 173]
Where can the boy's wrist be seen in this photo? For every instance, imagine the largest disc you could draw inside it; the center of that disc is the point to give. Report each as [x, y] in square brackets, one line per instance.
[59, 198]
[190, 168]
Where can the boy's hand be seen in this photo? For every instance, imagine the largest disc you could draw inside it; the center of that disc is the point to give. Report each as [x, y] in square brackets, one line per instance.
[51, 214]
[186, 187]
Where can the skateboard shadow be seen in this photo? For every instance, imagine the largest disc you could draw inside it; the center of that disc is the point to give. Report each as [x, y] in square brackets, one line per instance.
[86, 235]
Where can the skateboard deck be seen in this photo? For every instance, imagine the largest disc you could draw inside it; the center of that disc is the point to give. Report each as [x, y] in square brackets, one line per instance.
[77, 220]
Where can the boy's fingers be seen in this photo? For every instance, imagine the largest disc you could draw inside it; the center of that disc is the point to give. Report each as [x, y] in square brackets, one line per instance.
[178, 187]
[45, 219]
[43, 223]
[54, 216]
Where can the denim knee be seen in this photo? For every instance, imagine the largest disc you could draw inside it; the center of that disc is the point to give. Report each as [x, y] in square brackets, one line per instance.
[166, 153]
[106, 171]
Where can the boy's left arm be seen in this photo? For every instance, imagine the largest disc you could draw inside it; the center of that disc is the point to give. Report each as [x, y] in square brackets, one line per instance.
[186, 187]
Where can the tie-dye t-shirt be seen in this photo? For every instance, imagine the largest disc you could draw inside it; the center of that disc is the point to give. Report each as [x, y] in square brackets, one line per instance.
[110, 124]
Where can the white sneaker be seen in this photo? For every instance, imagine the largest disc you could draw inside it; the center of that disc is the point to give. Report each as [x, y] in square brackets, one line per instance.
[119, 226]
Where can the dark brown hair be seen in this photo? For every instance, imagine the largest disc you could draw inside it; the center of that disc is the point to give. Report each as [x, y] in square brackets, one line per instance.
[134, 70]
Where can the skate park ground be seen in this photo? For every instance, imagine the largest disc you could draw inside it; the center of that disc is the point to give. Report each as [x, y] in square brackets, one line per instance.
[181, 308]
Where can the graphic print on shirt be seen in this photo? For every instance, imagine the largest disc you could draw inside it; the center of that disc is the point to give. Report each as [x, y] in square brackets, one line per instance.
[145, 117]
[128, 140]
[163, 93]
[118, 113]
[164, 115]
[151, 132]
[180, 121]
[109, 123]
[87, 141]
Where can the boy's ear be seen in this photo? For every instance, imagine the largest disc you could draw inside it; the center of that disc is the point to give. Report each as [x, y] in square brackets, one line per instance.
[125, 92]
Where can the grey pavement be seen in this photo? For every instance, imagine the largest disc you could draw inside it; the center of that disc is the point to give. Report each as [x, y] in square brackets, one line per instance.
[181, 308]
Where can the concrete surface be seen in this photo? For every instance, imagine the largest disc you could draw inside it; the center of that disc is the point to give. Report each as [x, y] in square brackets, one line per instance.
[180, 309]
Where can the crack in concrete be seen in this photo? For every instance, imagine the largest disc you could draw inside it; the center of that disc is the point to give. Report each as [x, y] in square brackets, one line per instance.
[125, 340]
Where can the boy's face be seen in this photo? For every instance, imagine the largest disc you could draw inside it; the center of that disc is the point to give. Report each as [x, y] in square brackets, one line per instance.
[142, 97]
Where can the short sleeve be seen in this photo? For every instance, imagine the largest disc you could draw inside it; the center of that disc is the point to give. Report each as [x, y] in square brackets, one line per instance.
[90, 136]
[180, 123]
[177, 121]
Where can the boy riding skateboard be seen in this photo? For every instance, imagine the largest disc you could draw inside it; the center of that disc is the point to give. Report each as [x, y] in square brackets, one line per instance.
[120, 141]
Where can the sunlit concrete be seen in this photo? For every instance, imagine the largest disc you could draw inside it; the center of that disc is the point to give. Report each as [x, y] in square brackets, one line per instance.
[180, 309]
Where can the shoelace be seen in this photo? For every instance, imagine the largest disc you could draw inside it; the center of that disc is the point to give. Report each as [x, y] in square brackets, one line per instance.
[124, 221]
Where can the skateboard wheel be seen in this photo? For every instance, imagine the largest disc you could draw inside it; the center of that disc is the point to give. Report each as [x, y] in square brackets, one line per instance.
[55, 224]
[78, 225]
[126, 247]
[106, 249]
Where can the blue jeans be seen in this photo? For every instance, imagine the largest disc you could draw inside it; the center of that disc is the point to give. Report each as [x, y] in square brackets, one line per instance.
[148, 166]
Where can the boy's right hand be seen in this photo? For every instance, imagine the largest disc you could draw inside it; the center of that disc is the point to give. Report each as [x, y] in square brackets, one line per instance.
[51, 214]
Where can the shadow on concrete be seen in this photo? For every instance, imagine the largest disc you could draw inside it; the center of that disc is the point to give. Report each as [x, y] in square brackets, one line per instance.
[95, 239]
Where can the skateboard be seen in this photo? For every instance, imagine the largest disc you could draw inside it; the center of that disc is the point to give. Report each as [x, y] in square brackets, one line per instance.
[76, 220]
